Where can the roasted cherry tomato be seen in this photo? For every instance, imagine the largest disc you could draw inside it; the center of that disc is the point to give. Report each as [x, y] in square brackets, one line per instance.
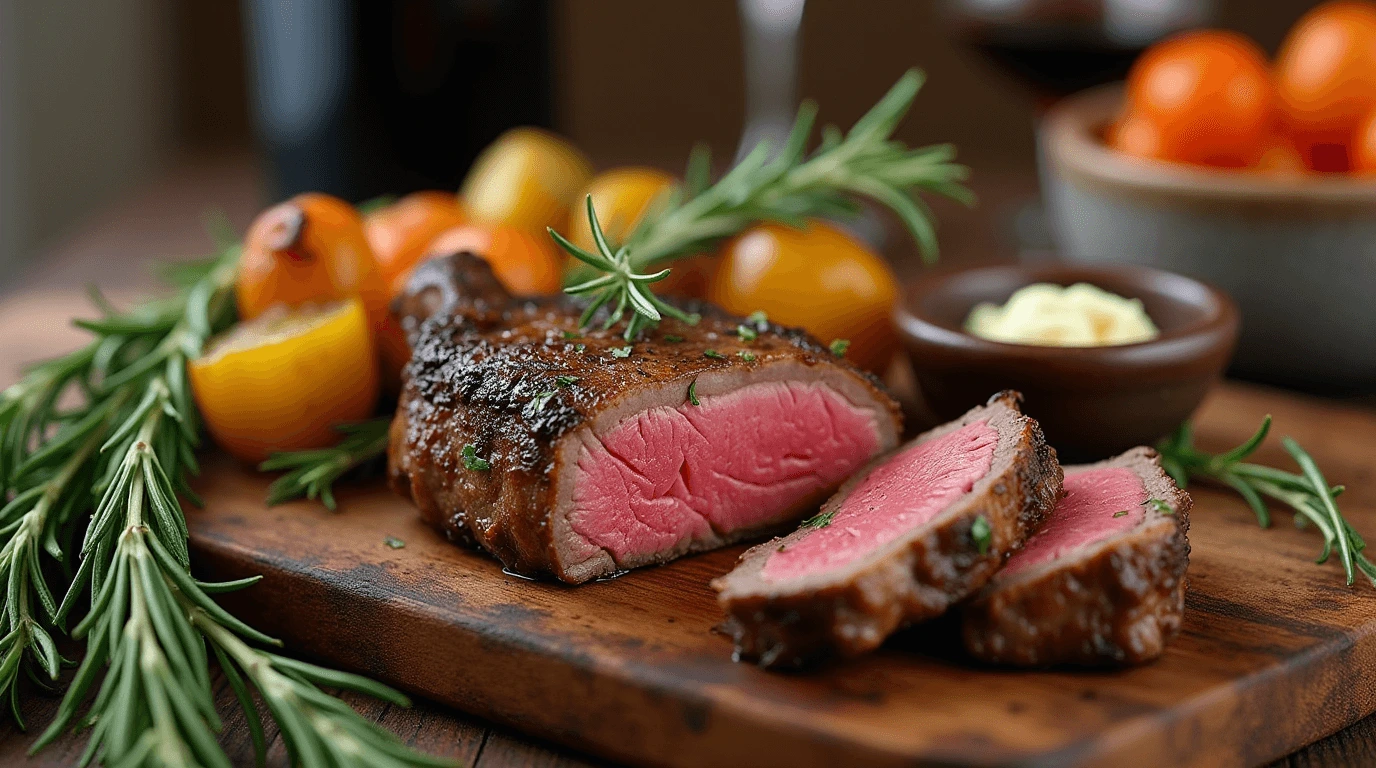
[308, 249]
[819, 278]
[525, 263]
[1326, 79]
[1364, 146]
[399, 233]
[620, 197]
[1208, 95]
[526, 179]
[281, 381]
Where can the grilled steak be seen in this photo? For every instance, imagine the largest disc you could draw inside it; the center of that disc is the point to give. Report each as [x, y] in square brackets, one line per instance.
[579, 455]
[900, 542]
[1102, 582]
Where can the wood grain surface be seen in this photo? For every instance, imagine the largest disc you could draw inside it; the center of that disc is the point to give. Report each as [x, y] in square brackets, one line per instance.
[1276, 652]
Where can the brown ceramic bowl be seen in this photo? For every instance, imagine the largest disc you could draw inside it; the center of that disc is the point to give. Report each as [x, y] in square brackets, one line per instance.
[1091, 401]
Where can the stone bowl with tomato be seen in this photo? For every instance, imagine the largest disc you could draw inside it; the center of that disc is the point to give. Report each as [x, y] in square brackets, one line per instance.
[1176, 171]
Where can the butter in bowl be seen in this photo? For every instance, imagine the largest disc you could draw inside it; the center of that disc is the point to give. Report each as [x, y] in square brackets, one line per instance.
[1106, 357]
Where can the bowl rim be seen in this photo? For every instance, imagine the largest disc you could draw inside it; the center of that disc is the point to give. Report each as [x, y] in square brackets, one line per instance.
[1219, 324]
[1070, 140]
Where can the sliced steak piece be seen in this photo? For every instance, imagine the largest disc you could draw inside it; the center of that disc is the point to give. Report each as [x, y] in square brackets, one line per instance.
[587, 455]
[1102, 582]
[902, 541]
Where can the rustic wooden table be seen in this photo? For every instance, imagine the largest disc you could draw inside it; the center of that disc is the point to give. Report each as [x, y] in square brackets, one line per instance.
[162, 220]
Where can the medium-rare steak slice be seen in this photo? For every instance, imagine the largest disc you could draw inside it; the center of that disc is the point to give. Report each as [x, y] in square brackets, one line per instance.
[902, 541]
[580, 455]
[1102, 582]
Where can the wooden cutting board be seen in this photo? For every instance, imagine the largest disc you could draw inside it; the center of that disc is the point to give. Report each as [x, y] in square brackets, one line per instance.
[1276, 652]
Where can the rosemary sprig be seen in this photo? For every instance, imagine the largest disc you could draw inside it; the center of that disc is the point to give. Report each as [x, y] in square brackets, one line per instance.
[866, 162]
[143, 686]
[1307, 493]
[313, 473]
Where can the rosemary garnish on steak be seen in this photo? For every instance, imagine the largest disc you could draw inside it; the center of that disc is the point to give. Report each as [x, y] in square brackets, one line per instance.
[838, 347]
[820, 520]
[866, 162]
[1307, 493]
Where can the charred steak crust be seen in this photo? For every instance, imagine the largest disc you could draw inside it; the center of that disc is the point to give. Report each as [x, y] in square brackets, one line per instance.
[915, 578]
[514, 378]
[1118, 603]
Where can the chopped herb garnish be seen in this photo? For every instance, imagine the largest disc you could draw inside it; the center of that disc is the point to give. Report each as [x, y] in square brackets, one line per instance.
[622, 352]
[672, 338]
[981, 534]
[572, 335]
[714, 354]
[693, 392]
[758, 319]
[1160, 506]
[839, 346]
[538, 403]
[394, 542]
[747, 356]
[579, 347]
[1120, 513]
[471, 460]
[780, 549]
[746, 333]
[566, 381]
[820, 520]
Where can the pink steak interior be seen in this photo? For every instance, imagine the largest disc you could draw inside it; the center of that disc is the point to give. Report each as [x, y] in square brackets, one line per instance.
[734, 461]
[1098, 503]
[904, 492]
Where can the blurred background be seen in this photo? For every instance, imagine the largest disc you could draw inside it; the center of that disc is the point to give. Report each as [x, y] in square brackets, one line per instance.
[108, 100]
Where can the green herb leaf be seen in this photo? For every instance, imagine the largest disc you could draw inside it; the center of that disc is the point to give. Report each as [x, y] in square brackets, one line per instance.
[580, 347]
[838, 347]
[672, 338]
[746, 333]
[570, 335]
[759, 320]
[537, 404]
[981, 534]
[472, 462]
[693, 392]
[820, 520]
[747, 355]
[714, 354]
[1121, 513]
[566, 381]
[1160, 506]
[394, 542]
[621, 352]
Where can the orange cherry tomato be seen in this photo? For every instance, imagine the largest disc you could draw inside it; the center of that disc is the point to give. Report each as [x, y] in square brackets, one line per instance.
[1364, 146]
[819, 278]
[526, 264]
[282, 381]
[1326, 78]
[1208, 95]
[526, 179]
[400, 232]
[1282, 158]
[308, 249]
[1139, 136]
[620, 197]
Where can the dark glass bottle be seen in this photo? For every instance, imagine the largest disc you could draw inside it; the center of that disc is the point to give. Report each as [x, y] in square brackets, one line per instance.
[365, 97]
